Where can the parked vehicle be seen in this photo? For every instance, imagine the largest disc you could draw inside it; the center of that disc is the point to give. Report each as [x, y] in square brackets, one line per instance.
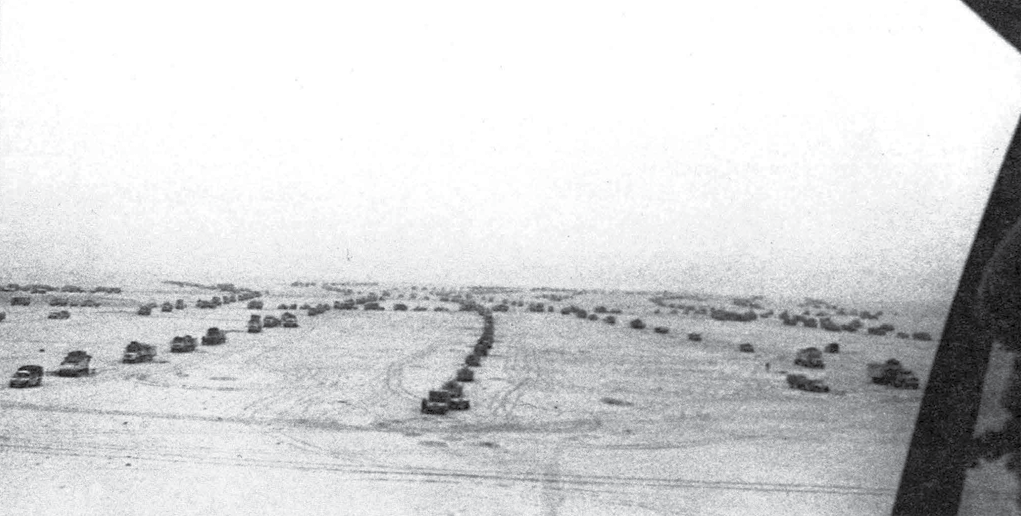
[438, 402]
[746, 348]
[21, 300]
[465, 374]
[60, 314]
[892, 373]
[27, 376]
[214, 336]
[255, 324]
[289, 320]
[76, 363]
[809, 357]
[179, 305]
[695, 337]
[457, 399]
[804, 383]
[136, 352]
[270, 321]
[184, 344]
[167, 306]
[145, 310]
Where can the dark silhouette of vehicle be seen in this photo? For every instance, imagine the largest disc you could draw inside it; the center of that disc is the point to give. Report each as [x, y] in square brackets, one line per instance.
[892, 373]
[289, 320]
[465, 374]
[136, 352]
[746, 348]
[27, 376]
[76, 363]
[695, 337]
[803, 383]
[255, 324]
[438, 402]
[184, 344]
[457, 399]
[637, 324]
[214, 336]
[809, 357]
[60, 314]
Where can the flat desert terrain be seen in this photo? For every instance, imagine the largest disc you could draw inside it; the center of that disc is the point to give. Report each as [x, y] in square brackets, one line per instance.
[568, 416]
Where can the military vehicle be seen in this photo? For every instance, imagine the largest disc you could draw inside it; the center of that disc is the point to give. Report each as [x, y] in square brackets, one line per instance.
[457, 399]
[465, 374]
[136, 352]
[804, 383]
[438, 402]
[27, 376]
[213, 337]
[184, 344]
[892, 373]
[810, 357]
[76, 363]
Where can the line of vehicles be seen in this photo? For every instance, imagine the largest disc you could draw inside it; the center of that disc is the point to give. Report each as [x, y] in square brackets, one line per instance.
[78, 362]
[450, 396]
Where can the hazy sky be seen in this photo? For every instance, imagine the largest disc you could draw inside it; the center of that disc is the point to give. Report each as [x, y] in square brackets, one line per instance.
[749, 146]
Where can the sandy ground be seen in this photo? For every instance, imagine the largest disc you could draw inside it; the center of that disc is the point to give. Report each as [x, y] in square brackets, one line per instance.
[569, 416]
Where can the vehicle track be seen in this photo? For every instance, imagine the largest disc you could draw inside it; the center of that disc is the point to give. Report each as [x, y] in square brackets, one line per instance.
[562, 481]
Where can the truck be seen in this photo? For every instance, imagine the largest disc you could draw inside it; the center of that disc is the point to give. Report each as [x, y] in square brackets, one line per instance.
[289, 320]
[892, 373]
[136, 352]
[76, 363]
[438, 402]
[457, 399]
[21, 300]
[810, 357]
[179, 305]
[27, 376]
[213, 337]
[804, 383]
[255, 324]
[184, 344]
